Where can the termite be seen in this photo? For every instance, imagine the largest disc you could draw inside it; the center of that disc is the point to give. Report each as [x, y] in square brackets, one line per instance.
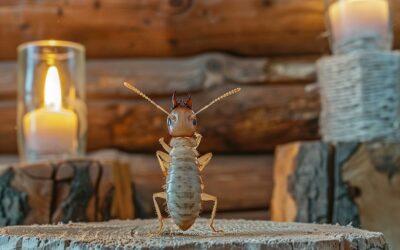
[181, 165]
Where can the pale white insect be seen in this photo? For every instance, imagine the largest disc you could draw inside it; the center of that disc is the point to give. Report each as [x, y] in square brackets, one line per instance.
[181, 165]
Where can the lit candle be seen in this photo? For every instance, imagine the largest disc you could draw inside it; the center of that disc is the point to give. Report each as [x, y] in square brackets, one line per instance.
[355, 19]
[51, 129]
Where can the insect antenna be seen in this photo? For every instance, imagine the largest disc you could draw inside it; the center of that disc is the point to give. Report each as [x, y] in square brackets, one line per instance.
[134, 89]
[229, 93]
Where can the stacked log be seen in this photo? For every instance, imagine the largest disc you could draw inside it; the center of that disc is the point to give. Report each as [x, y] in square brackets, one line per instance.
[347, 183]
[110, 184]
[274, 106]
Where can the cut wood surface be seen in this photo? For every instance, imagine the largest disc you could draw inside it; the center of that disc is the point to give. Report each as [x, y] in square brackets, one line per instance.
[110, 184]
[238, 234]
[344, 183]
[110, 28]
[260, 117]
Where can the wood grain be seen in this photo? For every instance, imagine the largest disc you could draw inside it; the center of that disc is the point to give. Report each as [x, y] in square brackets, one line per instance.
[302, 183]
[346, 183]
[249, 177]
[372, 174]
[89, 190]
[274, 106]
[239, 234]
[161, 77]
[111, 28]
[256, 120]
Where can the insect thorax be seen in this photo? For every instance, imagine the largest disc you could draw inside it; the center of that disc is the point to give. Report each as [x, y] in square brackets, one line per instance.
[183, 147]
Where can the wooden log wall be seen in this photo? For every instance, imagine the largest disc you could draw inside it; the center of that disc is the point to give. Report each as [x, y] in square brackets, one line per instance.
[268, 48]
[274, 107]
[276, 62]
[122, 28]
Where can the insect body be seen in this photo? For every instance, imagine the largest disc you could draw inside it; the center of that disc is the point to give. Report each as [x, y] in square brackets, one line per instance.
[181, 165]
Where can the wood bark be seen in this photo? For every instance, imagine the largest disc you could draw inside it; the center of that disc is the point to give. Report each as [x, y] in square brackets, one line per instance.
[110, 184]
[238, 234]
[302, 179]
[111, 28]
[346, 183]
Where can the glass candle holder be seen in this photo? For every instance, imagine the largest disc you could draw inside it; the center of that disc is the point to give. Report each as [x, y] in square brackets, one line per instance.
[51, 117]
[355, 25]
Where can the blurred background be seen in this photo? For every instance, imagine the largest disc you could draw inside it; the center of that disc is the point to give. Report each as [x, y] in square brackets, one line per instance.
[266, 47]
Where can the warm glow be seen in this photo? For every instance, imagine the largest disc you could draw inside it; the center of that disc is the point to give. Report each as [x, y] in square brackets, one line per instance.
[52, 89]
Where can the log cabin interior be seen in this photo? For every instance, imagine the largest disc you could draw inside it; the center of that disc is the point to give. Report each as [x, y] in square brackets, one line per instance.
[280, 152]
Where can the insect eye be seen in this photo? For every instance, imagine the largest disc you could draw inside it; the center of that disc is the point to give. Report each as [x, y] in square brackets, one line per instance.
[169, 121]
[194, 122]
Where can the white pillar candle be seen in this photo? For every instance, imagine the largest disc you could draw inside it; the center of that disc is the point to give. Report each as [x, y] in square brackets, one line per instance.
[51, 129]
[352, 19]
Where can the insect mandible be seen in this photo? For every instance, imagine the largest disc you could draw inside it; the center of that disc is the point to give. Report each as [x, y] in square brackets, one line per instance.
[181, 165]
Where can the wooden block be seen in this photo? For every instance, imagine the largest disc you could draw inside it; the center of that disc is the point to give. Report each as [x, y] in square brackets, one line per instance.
[49, 192]
[344, 183]
[14, 203]
[301, 178]
[239, 234]
[114, 185]
[35, 183]
[77, 181]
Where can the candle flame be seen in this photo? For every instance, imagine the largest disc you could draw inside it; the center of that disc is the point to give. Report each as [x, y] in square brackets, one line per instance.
[52, 89]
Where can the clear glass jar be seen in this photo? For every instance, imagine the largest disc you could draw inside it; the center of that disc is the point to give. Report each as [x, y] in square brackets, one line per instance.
[51, 117]
[355, 25]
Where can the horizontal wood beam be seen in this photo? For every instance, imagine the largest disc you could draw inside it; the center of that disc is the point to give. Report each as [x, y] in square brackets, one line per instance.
[110, 28]
[274, 106]
[161, 77]
[256, 120]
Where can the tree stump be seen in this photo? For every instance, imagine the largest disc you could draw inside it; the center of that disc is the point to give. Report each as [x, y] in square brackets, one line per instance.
[68, 190]
[238, 234]
[346, 183]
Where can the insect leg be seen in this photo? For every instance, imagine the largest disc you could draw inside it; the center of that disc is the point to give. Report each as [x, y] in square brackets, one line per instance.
[163, 159]
[198, 139]
[204, 160]
[164, 145]
[207, 197]
[162, 195]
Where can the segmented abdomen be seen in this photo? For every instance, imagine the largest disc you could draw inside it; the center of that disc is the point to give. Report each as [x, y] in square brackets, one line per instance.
[183, 186]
